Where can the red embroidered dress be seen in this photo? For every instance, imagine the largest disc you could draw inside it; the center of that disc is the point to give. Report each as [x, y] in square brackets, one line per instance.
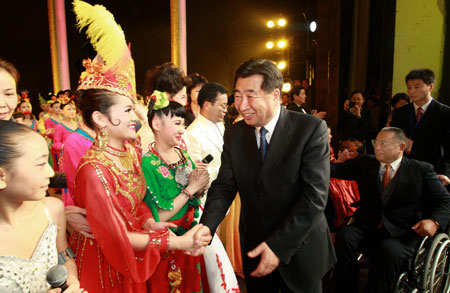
[108, 263]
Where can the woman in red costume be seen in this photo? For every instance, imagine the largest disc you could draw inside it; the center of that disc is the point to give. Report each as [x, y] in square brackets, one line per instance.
[127, 243]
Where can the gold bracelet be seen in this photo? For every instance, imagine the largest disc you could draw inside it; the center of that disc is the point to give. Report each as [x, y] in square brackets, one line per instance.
[154, 241]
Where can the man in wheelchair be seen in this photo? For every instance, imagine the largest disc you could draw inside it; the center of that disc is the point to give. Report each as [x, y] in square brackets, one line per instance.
[401, 200]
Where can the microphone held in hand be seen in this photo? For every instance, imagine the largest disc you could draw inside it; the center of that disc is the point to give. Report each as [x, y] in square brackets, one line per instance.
[56, 277]
[207, 159]
[138, 125]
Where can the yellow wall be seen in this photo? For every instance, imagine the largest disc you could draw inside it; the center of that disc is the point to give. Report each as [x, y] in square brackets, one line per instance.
[419, 40]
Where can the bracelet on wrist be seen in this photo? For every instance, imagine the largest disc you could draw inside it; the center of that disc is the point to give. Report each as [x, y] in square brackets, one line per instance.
[436, 223]
[187, 194]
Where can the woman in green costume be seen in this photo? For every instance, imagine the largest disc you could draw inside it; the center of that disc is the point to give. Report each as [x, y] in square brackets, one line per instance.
[174, 187]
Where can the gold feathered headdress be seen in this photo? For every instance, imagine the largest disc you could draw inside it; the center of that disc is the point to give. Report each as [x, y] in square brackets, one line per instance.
[113, 68]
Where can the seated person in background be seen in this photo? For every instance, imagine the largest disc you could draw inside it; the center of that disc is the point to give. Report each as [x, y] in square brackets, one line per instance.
[32, 226]
[401, 201]
[299, 99]
[343, 193]
[285, 99]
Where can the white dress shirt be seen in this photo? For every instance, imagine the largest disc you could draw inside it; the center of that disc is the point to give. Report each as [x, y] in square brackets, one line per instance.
[270, 127]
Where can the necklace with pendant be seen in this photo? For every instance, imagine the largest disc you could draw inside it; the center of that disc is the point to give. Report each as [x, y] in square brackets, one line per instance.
[182, 171]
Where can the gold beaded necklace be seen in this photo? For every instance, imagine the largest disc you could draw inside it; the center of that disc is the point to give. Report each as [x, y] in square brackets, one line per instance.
[124, 156]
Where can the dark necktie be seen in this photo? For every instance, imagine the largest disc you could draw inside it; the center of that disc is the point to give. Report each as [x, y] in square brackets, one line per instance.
[419, 113]
[262, 143]
[386, 176]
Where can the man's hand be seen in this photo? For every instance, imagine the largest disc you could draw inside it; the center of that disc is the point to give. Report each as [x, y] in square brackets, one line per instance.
[356, 111]
[426, 227]
[346, 105]
[76, 218]
[444, 179]
[320, 115]
[198, 237]
[202, 236]
[268, 263]
[346, 154]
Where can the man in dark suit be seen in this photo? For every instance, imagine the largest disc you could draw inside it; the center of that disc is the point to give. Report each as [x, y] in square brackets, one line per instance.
[298, 99]
[401, 200]
[278, 160]
[426, 122]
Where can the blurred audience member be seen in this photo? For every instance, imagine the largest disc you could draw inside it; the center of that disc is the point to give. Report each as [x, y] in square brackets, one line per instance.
[398, 100]
[355, 121]
[9, 77]
[195, 84]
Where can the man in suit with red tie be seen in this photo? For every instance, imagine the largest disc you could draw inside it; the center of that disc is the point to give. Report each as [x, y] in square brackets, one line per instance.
[426, 122]
[278, 160]
[401, 200]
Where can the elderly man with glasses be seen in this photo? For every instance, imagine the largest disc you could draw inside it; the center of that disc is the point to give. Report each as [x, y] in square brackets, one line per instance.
[401, 200]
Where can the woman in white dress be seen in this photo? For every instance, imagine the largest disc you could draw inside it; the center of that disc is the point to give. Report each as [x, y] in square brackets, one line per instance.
[32, 226]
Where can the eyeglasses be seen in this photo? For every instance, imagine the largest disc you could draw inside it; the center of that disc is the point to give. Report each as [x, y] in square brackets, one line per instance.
[381, 143]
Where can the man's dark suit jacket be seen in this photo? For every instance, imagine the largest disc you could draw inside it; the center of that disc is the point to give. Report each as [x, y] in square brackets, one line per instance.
[283, 199]
[416, 194]
[431, 136]
[296, 108]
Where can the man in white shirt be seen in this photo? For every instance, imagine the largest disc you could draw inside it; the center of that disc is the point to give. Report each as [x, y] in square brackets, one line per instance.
[205, 135]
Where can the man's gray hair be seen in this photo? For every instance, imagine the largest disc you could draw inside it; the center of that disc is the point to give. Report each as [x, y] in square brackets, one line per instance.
[399, 134]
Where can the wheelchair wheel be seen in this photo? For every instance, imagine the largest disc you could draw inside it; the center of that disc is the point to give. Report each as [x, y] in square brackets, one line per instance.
[439, 279]
[431, 257]
[403, 284]
[409, 280]
[416, 267]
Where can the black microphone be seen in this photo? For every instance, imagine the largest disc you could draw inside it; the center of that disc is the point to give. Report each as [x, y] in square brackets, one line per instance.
[138, 125]
[207, 159]
[56, 277]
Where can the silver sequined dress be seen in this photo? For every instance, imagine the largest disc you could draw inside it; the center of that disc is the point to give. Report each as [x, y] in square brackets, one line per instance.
[28, 275]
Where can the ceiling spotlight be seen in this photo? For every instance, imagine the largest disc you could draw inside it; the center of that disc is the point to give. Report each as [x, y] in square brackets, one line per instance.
[269, 45]
[286, 87]
[281, 44]
[281, 22]
[313, 26]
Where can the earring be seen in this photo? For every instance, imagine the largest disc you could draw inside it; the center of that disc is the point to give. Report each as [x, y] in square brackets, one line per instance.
[2, 182]
[103, 139]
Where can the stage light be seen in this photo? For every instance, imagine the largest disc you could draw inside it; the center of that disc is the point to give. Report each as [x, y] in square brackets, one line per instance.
[281, 22]
[286, 87]
[313, 26]
[269, 45]
[281, 44]
[281, 65]
[270, 24]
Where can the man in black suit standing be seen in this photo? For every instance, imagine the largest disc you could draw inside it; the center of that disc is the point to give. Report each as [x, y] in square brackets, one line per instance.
[278, 160]
[401, 200]
[426, 122]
